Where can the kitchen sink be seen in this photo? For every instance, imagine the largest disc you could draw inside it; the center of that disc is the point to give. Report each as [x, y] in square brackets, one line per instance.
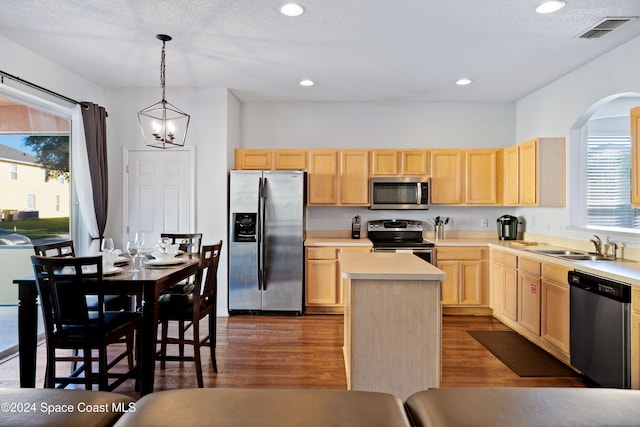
[585, 257]
[559, 252]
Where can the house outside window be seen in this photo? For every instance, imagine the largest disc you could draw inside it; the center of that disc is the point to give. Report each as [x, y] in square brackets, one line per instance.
[31, 202]
[14, 172]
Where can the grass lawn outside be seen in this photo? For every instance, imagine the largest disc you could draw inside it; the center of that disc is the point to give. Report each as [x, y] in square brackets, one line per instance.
[37, 229]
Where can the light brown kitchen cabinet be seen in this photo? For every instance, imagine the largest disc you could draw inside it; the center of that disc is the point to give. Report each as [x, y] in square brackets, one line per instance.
[384, 162]
[504, 284]
[511, 170]
[554, 326]
[524, 182]
[290, 159]
[483, 171]
[322, 177]
[529, 294]
[354, 177]
[415, 162]
[323, 281]
[252, 159]
[466, 275]
[635, 157]
[447, 176]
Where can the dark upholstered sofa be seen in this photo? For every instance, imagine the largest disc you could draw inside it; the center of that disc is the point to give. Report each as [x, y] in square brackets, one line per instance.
[233, 407]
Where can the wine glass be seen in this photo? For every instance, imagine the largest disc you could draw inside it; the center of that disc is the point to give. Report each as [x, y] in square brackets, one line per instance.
[132, 250]
[108, 247]
[139, 240]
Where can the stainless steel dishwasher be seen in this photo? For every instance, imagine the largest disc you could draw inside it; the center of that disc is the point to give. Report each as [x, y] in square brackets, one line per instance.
[600, 329]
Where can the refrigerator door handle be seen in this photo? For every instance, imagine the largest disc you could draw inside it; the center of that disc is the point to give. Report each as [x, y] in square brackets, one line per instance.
[261, 233]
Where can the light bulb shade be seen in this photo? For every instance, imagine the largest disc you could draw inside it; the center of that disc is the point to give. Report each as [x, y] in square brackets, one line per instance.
[163, 125]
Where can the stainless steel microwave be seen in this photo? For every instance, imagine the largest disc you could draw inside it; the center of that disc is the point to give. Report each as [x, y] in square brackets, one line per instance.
[408, 192]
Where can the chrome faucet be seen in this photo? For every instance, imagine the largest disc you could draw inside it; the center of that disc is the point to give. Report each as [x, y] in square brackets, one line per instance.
[614, 250]
[597, 243]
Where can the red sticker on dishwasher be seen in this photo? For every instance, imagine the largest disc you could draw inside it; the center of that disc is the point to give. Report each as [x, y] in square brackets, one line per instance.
[533, 288]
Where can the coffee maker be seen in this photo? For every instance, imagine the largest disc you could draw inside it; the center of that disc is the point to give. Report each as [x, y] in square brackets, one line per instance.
[507, 227]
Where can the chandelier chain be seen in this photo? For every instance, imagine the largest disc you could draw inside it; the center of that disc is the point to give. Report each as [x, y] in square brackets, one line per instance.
[162, 72]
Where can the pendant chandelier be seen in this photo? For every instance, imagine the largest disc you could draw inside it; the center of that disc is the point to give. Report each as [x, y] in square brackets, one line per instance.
[163, 125]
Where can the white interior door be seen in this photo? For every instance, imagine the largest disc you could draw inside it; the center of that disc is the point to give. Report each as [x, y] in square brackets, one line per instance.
[159, 193]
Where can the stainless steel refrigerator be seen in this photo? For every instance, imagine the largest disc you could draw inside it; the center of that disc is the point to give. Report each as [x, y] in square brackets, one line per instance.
[266, 241]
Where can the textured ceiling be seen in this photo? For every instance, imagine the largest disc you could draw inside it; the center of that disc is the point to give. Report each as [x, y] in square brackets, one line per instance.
[355, 50]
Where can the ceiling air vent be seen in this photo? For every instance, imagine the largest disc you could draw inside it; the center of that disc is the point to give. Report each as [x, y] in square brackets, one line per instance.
[604, 27]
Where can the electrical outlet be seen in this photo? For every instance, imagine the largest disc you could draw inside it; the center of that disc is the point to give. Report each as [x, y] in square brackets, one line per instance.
[533, 221]
[451, 222]
[484, 223]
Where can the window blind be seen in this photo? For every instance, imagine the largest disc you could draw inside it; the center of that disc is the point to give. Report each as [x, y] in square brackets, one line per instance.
[609, 182]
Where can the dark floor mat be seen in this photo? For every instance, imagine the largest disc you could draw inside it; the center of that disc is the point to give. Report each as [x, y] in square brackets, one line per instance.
[520, 355]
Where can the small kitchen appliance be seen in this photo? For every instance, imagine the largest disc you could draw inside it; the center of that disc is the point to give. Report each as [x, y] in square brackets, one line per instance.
[355, 227]
[507, 227]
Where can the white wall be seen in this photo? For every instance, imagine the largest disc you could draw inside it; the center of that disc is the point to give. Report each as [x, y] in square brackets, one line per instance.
[213, 132]
[559, 109]
[377, 125]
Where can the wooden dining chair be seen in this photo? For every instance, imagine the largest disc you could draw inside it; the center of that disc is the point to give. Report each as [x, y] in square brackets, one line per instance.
[63, 284]
[65, 248]
[189, 242]
[189, 308]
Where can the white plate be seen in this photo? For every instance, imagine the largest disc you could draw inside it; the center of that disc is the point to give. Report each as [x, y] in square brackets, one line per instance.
[108, 270]
[165, 262]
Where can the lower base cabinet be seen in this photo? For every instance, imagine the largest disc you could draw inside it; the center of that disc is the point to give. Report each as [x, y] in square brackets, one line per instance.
[467, 275]
[323, 282]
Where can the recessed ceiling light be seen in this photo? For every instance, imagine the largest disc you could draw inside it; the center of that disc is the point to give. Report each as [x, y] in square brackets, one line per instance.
[306, 82]
[550, 6]
[463, 82]
[292, 9]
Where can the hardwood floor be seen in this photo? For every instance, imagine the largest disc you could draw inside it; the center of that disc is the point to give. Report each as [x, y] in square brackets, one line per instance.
[306, 352]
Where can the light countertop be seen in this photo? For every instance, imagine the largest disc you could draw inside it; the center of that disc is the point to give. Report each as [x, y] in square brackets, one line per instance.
[337, 241]
[387, 266]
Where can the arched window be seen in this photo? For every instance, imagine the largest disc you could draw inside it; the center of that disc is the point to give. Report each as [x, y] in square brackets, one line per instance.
[606, 154]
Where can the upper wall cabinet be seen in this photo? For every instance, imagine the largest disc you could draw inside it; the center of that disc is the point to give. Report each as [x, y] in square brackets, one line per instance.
[354, 177]
[290, 159]
[483, 176]
[469, 177]
[253, 159]
[447, 176]
[635, 157]
[322, 177]
[524, 182]
[276, 159]
[338, 177]
[399, 162]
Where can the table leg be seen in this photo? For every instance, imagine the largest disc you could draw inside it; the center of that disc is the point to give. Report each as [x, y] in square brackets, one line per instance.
[27, 333]
[148, 335]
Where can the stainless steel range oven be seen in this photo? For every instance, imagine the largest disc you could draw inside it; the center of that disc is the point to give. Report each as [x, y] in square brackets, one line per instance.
[400, 235]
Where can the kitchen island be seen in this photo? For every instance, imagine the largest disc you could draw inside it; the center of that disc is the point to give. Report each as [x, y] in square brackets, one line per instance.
[392, 322]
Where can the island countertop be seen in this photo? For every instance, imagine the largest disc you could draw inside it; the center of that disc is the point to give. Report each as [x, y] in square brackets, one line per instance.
[387, 266]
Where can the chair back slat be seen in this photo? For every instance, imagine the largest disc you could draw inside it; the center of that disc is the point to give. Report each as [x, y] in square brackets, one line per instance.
[209, 259]
[57, 249]
[189, 242]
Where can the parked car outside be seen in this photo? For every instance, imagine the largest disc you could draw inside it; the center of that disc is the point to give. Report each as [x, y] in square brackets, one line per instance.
[9, 238]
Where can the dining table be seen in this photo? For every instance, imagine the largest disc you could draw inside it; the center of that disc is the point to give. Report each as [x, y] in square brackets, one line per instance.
[146, 284]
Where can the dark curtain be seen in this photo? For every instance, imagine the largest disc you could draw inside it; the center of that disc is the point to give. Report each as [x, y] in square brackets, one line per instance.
[94, 118]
